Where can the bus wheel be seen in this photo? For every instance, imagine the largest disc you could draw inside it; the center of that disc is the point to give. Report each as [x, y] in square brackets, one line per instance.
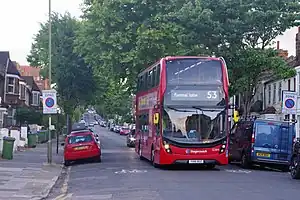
[245, 161]
[295, 168]
[152, 157]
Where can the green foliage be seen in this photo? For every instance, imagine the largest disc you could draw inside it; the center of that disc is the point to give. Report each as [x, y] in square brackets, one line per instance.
[73, 77]
[131, 34]
[29, 116]
[120, 38]
[250, 66]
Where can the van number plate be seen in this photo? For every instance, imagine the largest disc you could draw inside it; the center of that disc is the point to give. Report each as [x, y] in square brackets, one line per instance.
[263, 155]
[196, 161]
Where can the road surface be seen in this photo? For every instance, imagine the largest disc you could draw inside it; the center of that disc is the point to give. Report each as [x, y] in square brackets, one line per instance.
[122, 176]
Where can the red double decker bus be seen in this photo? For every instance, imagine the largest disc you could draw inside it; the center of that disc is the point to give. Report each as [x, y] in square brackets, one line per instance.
[182, 111]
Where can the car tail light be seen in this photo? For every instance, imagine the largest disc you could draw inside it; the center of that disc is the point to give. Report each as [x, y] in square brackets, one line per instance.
[253, 138]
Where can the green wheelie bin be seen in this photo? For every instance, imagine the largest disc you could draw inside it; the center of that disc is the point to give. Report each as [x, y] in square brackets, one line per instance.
[42, 136]
[8, 147]
[32, 140]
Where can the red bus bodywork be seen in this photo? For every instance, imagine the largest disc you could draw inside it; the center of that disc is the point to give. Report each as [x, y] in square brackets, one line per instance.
[152, 146]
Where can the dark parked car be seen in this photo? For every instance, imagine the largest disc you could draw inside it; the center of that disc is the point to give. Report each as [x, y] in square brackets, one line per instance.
[130, 139]
[295, 163]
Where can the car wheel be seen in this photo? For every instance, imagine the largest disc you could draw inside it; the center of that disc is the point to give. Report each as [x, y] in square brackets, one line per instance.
[245, 161]
[295, 168]
[67, 163]
[98, 158]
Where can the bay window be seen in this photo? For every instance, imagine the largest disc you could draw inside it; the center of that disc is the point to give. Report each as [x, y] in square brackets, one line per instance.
[11, 85]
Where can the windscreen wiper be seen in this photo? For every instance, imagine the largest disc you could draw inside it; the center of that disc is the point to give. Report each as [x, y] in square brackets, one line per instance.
[175, 109]
[210, 110]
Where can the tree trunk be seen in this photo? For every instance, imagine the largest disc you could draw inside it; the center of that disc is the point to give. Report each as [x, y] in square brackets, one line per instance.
[69, 124]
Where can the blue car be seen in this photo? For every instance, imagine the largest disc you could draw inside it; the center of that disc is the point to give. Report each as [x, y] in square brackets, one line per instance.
[262, 142]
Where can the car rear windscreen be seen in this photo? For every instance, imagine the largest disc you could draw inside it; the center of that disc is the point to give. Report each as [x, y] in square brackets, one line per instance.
[80, 139]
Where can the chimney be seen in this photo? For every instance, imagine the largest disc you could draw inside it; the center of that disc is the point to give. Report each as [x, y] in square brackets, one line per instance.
[278, 45]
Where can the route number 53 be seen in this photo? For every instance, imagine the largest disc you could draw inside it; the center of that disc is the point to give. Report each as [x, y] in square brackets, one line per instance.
[212, 95]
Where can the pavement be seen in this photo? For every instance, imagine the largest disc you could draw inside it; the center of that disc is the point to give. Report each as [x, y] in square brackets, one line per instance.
[123, 176]
[28, 176]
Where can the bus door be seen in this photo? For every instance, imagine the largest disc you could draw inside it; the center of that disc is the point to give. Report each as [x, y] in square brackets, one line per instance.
[156, 131]
[145, 135]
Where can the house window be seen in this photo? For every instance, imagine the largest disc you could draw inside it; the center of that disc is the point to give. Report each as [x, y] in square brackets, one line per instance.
[35, 98]
[10, 85]
[279, 91]
[22, 92]
[274, 93]
[269, 94]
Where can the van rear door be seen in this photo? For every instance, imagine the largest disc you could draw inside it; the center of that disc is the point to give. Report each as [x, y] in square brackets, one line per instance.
[271, 142]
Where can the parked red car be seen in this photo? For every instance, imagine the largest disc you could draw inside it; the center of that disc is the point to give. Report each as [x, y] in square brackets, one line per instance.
[124, 131]
[81, 145]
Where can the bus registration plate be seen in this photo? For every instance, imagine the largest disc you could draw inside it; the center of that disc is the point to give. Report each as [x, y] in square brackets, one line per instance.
[196, 161]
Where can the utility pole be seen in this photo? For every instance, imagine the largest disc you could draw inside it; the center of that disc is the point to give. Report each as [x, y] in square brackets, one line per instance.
[49, 54]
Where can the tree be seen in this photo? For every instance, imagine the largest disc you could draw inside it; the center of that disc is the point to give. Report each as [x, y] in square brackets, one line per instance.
[249, 67]
[29, 116]
[237, 30]
[120, 38]
[73, 77]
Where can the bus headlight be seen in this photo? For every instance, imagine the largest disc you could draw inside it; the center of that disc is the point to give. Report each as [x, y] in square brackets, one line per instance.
[222, 148]
[167, 147]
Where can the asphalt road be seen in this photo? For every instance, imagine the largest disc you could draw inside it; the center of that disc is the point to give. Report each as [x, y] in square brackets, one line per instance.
[122, 176]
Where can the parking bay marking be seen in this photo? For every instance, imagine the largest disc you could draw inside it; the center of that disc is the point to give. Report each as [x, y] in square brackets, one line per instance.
[238, 171]
[133, 171]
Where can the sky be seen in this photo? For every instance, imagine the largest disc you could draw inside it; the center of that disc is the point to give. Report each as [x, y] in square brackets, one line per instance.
[19, 20]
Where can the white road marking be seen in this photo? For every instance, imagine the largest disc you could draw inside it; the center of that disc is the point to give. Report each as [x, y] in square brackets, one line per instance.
[239, 171]
[64, 188]
[124, 171]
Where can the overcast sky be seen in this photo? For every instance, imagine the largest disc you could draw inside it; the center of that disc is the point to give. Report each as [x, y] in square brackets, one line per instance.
[19, 20]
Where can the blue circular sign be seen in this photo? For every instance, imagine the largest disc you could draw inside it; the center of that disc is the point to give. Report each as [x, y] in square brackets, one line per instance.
[289, 103]
[49, 102]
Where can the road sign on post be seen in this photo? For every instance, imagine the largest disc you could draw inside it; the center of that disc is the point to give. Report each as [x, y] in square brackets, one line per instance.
[289, 102]
[49, 102]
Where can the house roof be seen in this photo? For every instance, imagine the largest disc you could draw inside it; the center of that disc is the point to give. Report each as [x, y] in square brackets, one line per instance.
[4, 55]
[12, 68]
[30, 81]
[29, 71]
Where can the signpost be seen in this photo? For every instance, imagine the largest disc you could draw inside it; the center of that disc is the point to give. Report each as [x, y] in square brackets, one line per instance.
[49, 108]
[289, 102]
[49, 102]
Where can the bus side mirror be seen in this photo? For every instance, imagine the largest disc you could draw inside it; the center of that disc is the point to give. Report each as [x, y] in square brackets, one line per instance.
[156, 118]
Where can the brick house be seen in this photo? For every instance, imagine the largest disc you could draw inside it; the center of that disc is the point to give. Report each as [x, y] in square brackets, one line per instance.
[15, 90]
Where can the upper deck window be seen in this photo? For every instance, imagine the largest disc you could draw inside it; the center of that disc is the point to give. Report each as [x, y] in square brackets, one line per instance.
[194, 71]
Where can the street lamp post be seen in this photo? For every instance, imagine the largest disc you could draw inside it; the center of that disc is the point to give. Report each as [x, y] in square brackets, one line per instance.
[49, 54]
